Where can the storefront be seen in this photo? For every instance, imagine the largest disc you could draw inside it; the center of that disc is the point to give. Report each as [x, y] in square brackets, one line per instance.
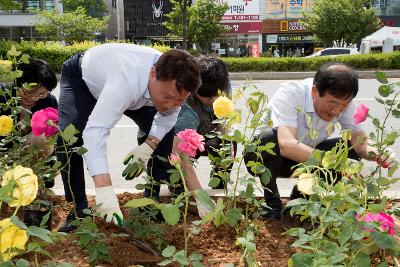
[243, 37]
[289, 37]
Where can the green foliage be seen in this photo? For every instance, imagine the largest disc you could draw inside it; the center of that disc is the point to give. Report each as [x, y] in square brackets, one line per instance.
[341, 22]
[9, 5]
[204, 25]
[202, 21]
[74, 26]
[338, 236]
[359, 62]
[90, 239]
[93, 8]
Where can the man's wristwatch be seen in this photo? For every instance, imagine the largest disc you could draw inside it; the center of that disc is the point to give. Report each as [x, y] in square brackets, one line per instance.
[152, 141]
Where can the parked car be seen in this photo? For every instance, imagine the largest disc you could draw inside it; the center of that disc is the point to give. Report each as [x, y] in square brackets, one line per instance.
[335, 51]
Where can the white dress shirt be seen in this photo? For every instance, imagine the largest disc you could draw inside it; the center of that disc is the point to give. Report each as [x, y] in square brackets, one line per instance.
[117, 75]
[289, 107]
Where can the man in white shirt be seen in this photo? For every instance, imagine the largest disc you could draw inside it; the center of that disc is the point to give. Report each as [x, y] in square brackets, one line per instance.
[309, 106]
[101, 85]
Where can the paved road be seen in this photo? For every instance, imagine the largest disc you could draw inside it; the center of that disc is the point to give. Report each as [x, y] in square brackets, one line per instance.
[123, 137]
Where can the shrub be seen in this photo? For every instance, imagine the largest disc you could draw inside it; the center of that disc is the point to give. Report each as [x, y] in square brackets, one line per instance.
[56, 53]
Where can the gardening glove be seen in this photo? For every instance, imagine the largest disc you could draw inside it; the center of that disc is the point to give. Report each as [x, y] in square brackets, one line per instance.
[136, 161]
[109, 209]
[388, 159]
[201, 209]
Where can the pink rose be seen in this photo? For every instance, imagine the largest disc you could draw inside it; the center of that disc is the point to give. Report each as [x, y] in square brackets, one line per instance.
[190, 142]
[360, 114]
[44, 122]
[174, 159]
[385, 221]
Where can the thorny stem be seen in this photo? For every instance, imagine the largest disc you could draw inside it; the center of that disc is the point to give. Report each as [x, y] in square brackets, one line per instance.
[185, 230]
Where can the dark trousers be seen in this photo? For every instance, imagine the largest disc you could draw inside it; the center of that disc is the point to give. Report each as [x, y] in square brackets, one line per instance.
[160, 168]
[281, 166]
[75, 105]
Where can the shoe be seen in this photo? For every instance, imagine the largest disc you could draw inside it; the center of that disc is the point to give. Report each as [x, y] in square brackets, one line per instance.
[67, 226]
[271, 215]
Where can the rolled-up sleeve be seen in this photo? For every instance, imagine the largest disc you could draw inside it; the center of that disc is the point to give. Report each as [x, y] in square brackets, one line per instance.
[114, 99]
[163, 123]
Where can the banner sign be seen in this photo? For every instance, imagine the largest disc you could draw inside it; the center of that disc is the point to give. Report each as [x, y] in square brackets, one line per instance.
[287, 9]
[243, 27]
[241, 9]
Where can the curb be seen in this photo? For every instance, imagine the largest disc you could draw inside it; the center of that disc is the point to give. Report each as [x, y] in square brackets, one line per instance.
[282, 75]
[277, 75]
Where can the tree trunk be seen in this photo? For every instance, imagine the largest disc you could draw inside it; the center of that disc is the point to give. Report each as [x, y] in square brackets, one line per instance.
[184, 5]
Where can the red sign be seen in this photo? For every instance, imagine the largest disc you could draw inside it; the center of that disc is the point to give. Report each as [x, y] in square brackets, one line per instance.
[255, 50]
[243, 27]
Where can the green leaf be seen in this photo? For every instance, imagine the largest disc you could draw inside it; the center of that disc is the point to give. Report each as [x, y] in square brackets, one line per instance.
[204, 198]
[181, 258]
[214, 182]
[384, 90]
[170, 213]
[383, 240]
[302, 260]
[168, 251]
[396, 113]
[40, 233]
[381, 77]
[234, 215]
[361, 260]
[140, 202]
[22, 263]
[197, 264]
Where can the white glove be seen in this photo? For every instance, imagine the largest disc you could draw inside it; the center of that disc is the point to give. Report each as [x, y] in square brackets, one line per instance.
[388, 159]
[137, 159]
[201, 209]
[109, 204]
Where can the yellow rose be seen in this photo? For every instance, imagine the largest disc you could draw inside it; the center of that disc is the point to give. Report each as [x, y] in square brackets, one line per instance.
[26, 185]
[306, 183]
[12, 238]
[6, 125]
[5, 65]
[222, 106]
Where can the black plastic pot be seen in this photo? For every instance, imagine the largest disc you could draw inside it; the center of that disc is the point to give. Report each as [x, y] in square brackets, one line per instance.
[40, 211]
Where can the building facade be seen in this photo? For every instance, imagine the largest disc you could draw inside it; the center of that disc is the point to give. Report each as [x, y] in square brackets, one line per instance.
[19, 24]
[244, 29]
[283, 30]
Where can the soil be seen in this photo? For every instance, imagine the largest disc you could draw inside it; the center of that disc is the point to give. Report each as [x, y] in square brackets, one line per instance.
[217, 244]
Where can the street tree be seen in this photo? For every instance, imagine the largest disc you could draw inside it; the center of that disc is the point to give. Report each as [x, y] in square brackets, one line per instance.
[10, 5]
[75, 26]
[200, 25]
[178, 20]
[204, 23]
[93, 8]
[341, 22]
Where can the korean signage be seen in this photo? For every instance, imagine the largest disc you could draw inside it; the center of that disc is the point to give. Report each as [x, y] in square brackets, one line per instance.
[242, 9]
[243, 27]
[386, 7]
[295, 38]
[287, 9]
[284, 26]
